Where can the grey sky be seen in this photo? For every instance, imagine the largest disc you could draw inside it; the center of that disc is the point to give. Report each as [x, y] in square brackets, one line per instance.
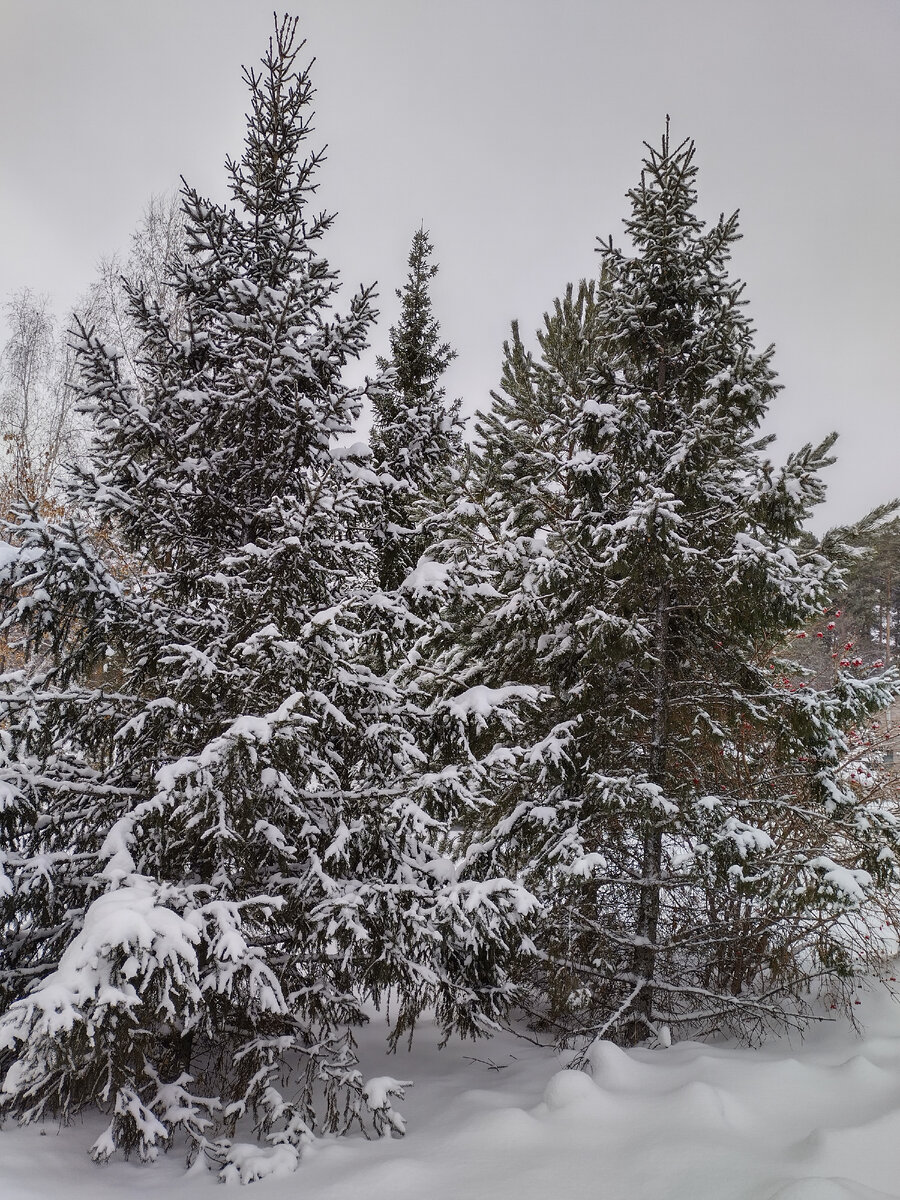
[513, 129]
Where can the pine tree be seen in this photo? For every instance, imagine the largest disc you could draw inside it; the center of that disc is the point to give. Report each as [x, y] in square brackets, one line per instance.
[220, 836]
[683, 811]
[871, 600]
[416, 439]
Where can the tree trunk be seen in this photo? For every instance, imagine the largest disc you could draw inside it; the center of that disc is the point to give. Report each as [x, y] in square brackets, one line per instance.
[647, 924]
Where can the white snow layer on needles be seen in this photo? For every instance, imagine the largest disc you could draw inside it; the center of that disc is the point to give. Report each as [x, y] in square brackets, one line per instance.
[128, 917]
[427, 576]
[816, 1119]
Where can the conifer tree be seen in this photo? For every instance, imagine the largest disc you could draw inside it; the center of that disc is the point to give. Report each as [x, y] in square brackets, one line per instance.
[871, 601]
[417, 434]
[219, 837]
[631, 552]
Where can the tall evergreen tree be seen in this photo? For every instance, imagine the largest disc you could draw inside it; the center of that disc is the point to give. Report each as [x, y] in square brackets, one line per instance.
[871, 600]
[220, 838]
[683, 812]
[417, 434]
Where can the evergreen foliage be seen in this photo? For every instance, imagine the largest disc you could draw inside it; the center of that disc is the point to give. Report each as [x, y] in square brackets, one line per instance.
[871, 599]
[683, 811]
[417, 435]
[220, 836]
[291, 728]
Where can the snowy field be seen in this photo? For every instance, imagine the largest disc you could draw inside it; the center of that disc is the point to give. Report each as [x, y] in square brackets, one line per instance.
[817, 1119]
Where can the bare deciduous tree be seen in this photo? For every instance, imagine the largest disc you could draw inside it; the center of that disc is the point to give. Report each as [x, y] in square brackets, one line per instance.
[155, 243]
[39, 426]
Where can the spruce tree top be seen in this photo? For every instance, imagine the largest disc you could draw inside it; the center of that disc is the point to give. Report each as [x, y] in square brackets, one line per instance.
[417, 434]
[257, 295]
[418, 357]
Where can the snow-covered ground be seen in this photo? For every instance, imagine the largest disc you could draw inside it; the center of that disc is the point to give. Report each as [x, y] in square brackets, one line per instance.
[817, 1119]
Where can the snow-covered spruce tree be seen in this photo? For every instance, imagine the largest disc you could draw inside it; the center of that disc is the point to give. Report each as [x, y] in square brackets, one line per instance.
[416, 438]
[686, 819]
[220, 839]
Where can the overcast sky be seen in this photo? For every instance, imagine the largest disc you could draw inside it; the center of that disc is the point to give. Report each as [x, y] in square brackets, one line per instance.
[512, 128]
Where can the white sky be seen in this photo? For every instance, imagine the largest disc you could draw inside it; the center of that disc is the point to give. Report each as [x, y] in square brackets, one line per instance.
[513, 129]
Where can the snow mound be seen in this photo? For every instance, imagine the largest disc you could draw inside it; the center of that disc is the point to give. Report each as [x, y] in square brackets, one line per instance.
[248, 1163]
[827, 1189]
[812, 1119]
[613, 1068]
[568, 1088]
